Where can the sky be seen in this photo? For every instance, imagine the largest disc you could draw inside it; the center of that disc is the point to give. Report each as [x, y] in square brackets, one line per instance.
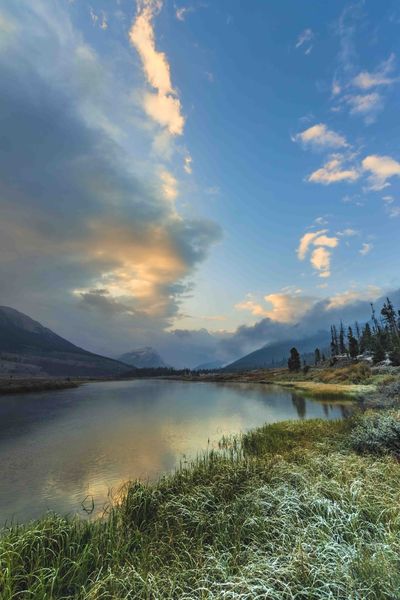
[200, 177]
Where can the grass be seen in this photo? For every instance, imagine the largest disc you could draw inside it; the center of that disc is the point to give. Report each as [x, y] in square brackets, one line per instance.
[294, 510]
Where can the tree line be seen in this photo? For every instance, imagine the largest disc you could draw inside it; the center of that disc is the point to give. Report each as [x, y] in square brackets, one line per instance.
[380, 338]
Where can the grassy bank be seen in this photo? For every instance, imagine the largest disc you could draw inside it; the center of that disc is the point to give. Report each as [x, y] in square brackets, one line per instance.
[293, 510]
[24, 386]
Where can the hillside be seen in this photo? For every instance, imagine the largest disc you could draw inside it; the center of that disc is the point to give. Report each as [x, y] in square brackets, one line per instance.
[29, 348]
[277, 354]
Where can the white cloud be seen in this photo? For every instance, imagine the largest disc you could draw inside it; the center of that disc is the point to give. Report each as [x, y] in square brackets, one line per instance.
[364, 104]
[366, 80]
[324, 240]
[164, 105]
[321, 221]
[306, 241]
[181, 12]
[320, 136]
[381, 168]
[101, 19]
[366, 248]
[287, 307]
[336, 87]
[393, 211]
[321, 260]
[320, 256]
[348, 232]
[371, 293]
[305, 38]
[187, 164]
[169, 185]
[332, 172]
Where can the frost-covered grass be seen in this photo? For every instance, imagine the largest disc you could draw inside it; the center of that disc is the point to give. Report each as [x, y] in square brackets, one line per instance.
[292, 513]
[377, 433]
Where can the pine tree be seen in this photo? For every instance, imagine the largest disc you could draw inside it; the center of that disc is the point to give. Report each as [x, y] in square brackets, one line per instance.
[389, 318]
[342, 347]
[317, 356]
[294, 362]
[353, 344]
[334, 342]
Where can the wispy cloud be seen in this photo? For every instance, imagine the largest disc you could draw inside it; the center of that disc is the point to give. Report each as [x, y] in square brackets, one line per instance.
[365, 105]
[182, 12]
[333, 171]
[321, 137]
[99, 19]
[366, 80]
[163, 105]
[305, 39]
[187, 164]
[381, 168]
[366, 248]
[169, 185]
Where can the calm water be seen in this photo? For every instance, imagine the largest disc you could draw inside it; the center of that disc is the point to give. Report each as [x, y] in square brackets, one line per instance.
[56, 448]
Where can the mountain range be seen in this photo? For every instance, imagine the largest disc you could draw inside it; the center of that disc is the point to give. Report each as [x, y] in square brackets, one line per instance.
[29, 348]
[276, 355]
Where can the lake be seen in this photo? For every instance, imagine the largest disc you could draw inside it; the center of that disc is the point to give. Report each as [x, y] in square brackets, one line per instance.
[58, 448]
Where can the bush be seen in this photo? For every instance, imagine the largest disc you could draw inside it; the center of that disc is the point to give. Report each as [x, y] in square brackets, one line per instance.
[377, 434]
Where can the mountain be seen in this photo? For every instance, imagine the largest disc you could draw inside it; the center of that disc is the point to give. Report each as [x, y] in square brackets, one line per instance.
[215, 364]
[276, 355]
[29, 348]
[143, 358]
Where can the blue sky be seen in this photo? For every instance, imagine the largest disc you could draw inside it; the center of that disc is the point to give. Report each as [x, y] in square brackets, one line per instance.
[185, 169]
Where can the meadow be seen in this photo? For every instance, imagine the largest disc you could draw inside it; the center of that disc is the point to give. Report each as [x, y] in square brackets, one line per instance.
[293, 510]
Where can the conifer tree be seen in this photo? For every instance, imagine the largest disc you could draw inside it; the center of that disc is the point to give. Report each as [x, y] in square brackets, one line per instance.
[353, 344]
[294, 362]
[342, 347]
[317, 356]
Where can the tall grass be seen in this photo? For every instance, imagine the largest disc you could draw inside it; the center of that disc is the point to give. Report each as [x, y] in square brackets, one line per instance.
[290, 513]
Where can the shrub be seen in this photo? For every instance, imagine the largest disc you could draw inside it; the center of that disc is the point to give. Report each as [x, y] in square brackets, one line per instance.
[377, 434]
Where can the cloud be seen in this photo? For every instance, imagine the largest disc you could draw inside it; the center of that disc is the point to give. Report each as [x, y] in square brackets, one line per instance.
[381, 168]
[164, 105]
[187, 164]
[366, 105]
[320, 136]
[320, 256]
[100, 20]
[324, 240]
[370, 294]
[348, 232]
[305, 38]
[393, 211]
[181, 12]
[88, 223]
[366, 248]
[332, 172]
[366, 80]
[287, 307]
[305, 242]
[321, 260]
[169, 185]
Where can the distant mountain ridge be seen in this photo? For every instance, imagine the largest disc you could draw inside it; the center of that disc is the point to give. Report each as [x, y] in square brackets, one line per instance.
[276, 355]
[28, 347]
[143, 358]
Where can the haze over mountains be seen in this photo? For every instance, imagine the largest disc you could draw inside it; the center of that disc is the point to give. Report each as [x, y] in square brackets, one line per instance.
[28, 348]
[143, 358]
[276, 355]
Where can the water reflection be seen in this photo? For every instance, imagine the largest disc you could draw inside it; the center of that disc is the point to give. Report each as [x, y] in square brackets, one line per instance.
[57, 448]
